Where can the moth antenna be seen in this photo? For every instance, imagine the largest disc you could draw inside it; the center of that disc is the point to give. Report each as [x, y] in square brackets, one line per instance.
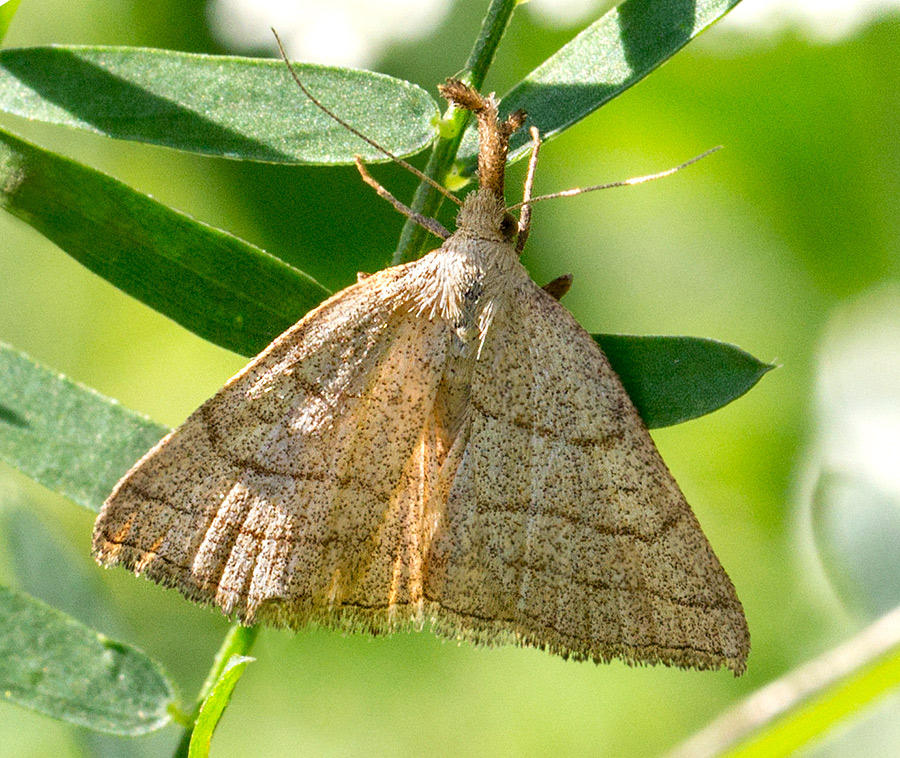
[525, 215]
[429, 224]
[353, 130]
[623, 183]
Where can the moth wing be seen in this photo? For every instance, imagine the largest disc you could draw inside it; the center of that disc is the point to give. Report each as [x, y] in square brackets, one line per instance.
[295, 492]
[563, 528]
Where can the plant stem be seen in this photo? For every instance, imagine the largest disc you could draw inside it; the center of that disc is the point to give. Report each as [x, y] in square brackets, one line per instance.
[238, 641]
[427, 200]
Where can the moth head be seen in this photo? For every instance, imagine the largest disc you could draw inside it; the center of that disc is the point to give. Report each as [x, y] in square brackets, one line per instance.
[484, 215]
[486, 207]
[509, 226]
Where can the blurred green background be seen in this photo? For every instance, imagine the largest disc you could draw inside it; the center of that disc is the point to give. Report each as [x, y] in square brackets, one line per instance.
[786, 243]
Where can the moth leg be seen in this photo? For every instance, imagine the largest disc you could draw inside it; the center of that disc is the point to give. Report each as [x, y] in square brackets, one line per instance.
[525, 215]
[559, 286]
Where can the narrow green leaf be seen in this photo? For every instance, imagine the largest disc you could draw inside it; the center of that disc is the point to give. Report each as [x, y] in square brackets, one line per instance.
[675, 379]
[608, 57]
[65, 436]
[214, 705]
[218, 286]
[244, 108]
[56, 665]
[834, 706]
[236, 645]
[7, 11]
[785, 716]
[47, 569]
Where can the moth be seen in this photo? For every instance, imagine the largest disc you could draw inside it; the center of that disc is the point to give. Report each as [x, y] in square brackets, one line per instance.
[441, 442]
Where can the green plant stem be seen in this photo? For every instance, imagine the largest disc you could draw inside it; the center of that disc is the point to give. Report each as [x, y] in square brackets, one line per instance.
[427, 200]
[238, 641]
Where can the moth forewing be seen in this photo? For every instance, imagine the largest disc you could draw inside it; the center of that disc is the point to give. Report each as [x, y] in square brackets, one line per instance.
[274, 493]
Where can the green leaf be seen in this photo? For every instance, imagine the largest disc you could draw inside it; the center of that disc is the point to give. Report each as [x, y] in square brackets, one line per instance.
[216, 690]
[218, 286]
[7, 11]
[244, 108]
[801, 707]
[832, 707]
[608, 57]
[675, 379]
[214, 705]
[65, 436]
[50, 570]
[56, 665]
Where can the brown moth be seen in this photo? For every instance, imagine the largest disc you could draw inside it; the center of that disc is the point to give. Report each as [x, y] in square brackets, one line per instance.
[441, 441]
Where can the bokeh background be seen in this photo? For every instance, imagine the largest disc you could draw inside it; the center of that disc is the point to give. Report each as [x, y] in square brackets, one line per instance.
[786, 243]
